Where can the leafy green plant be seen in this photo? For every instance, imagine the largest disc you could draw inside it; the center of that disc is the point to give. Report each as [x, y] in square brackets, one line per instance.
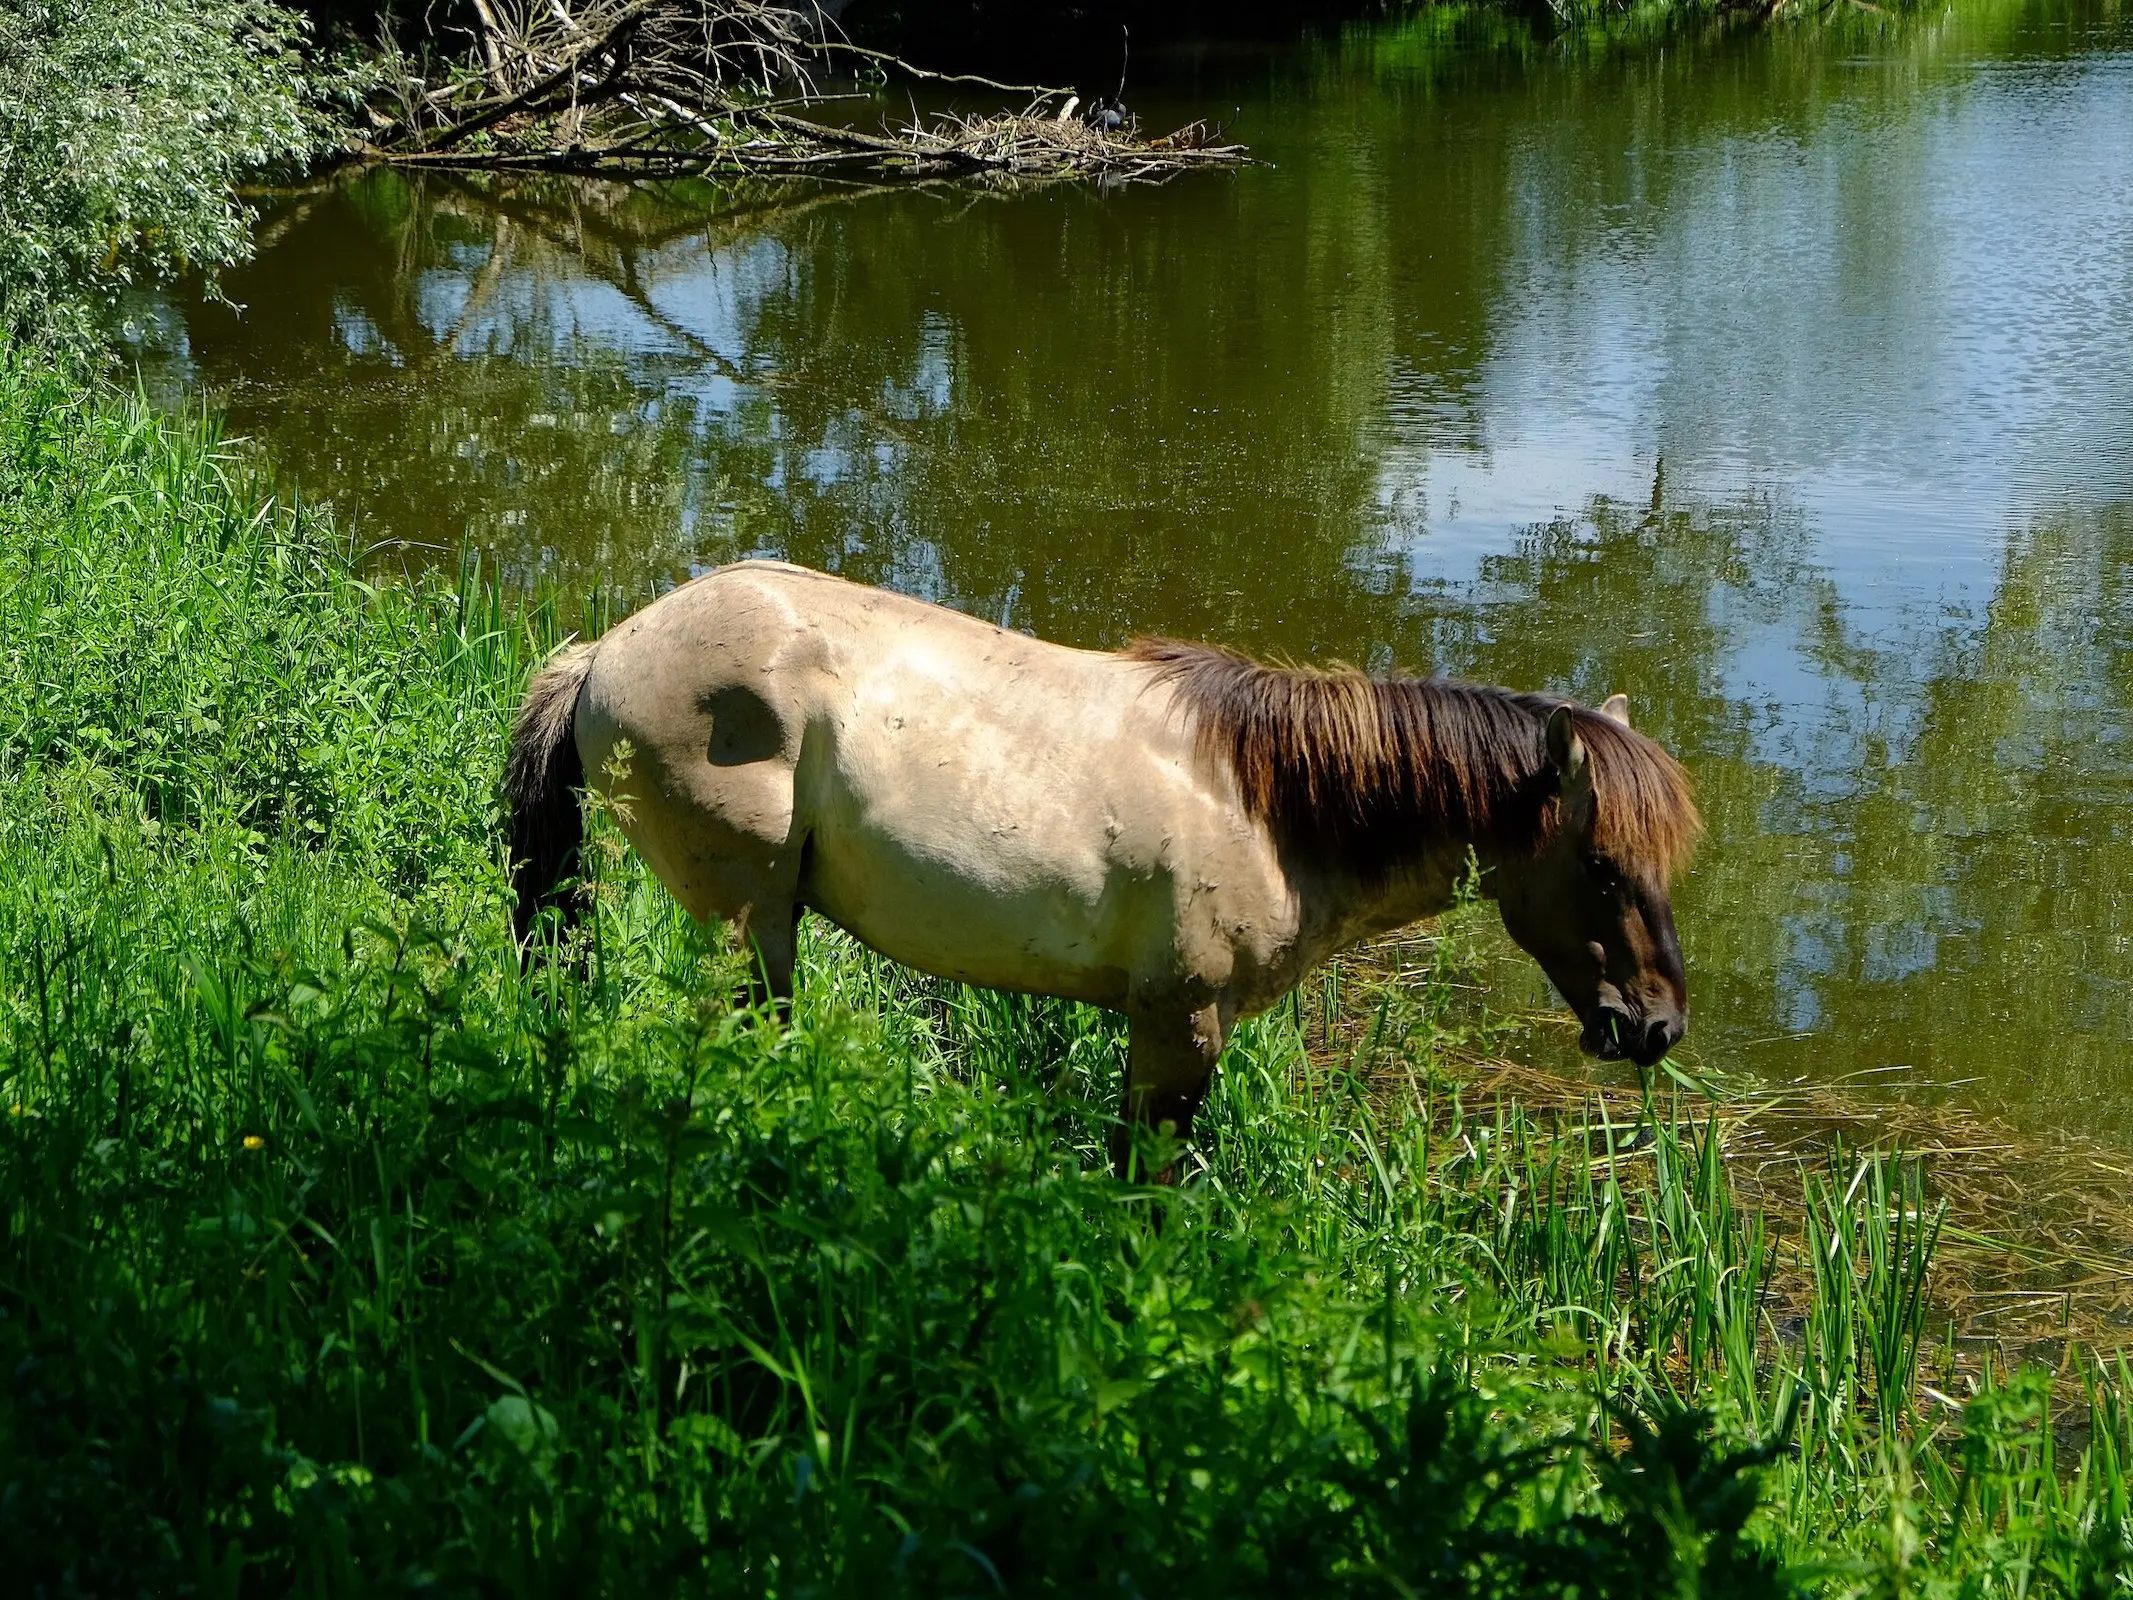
[125, 126]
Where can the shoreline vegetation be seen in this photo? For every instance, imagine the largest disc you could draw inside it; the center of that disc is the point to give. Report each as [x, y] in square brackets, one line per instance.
[343, 1255]
[2029, 1261]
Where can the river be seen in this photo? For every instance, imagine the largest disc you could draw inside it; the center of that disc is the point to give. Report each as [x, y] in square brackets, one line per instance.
[1780, 377]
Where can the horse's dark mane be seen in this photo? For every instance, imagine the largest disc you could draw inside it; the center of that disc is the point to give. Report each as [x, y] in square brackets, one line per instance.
[1361, 772]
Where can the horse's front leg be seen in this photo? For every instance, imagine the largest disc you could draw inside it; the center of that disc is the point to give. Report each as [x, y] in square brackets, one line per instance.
[1171, 1055]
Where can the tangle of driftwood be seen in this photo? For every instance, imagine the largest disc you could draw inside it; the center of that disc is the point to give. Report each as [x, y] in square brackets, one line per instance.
[727, 86]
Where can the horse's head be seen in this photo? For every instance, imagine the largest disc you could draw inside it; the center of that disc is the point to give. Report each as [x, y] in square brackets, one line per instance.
[1591, 906]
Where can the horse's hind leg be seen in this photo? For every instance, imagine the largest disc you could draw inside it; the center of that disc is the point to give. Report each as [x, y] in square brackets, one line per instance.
[1171, 1056]
[722, 875]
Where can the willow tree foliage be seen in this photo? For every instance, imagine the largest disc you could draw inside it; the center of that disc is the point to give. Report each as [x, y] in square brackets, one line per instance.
[125, 126]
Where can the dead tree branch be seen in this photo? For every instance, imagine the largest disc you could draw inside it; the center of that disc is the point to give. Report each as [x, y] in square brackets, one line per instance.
[715, 86]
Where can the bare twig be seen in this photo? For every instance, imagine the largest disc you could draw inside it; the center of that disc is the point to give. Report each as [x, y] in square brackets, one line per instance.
[491, 52]
[882, 58]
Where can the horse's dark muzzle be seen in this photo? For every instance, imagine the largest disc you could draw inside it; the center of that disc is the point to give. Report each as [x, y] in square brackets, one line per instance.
[1661, 1034]
[1615, 1035]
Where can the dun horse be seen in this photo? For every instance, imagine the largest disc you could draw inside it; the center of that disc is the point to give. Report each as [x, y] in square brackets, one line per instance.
[1172, 831]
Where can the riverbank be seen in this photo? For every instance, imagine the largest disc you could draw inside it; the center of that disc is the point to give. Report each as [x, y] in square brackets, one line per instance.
[2031, 1260]
[340, 1253]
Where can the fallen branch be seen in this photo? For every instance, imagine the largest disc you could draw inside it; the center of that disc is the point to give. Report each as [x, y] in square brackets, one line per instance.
[715, 86]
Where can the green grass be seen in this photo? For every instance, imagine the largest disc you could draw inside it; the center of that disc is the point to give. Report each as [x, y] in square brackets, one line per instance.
[341, 1258]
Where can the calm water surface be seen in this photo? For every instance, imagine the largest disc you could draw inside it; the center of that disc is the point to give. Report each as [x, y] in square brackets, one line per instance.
[1783, 380]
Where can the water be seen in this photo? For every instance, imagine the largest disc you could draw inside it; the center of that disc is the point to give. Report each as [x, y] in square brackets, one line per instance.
[1780, 378]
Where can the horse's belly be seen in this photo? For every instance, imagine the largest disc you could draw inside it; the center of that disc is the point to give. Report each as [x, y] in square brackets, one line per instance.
[978, 910]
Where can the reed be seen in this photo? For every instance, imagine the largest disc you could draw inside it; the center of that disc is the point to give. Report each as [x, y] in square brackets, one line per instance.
[342, 1255]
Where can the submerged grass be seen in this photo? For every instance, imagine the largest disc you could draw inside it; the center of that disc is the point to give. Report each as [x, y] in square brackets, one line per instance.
[339, 1256]
[2030, 1263]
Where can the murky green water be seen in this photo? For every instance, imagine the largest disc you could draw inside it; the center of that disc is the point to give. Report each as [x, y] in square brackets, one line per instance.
[1783, 380]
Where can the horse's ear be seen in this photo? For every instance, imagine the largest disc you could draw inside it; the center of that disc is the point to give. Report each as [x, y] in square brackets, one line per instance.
[1616, 706]
[1573, 771]
[1566, 751]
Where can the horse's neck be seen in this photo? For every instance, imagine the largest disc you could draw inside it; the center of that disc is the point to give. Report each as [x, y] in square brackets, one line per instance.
[1341, 905]
[1339, 910]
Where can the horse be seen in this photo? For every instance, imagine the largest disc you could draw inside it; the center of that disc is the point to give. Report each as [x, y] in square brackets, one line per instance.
[1173, 831]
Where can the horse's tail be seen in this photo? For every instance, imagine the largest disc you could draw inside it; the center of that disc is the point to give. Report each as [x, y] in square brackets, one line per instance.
[541, 783]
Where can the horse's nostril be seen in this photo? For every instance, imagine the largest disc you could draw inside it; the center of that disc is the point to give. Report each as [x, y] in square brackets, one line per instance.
[1662, 1036]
